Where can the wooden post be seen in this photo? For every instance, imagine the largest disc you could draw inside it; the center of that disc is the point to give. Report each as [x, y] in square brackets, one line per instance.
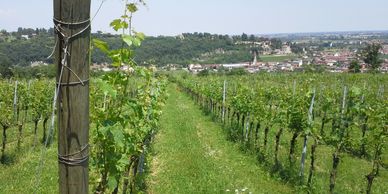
[72, 26]
[28, 97]
[304, 151]
[15, 102]
[223, 102]
[342, 130]
[247, 127]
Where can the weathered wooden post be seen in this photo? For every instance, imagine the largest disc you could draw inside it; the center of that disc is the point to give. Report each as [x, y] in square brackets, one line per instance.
[223, 102]
[72, 27]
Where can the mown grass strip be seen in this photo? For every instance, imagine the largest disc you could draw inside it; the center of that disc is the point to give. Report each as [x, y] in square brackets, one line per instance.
[191, 155]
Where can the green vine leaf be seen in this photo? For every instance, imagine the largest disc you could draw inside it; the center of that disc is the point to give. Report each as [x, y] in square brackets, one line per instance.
[112, 182]
[131, 7]
[140, 36]
[128, 39]
[116, 24]
[118, 136]
[103, 46]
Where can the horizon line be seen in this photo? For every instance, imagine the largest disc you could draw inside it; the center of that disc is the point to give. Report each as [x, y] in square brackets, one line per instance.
[233, 34]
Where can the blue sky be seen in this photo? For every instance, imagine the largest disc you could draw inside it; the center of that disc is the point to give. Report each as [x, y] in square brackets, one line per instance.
[172, 17]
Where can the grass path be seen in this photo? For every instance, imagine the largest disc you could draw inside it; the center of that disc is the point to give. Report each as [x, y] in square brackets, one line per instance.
[191, 155]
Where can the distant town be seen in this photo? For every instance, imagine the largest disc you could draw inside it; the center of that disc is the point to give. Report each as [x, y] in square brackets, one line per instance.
[330, 52]
[196, 52]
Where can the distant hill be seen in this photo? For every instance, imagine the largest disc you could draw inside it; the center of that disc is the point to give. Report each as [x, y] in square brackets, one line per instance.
[27, 45]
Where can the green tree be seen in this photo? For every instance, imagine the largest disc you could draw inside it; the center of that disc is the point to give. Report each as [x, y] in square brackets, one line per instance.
[252, 37]
[296, 48]
[276, 43]
[354, 67]
[371, 56]
[244, 37]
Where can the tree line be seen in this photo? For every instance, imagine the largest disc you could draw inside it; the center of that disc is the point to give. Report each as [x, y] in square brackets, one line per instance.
[26, 45]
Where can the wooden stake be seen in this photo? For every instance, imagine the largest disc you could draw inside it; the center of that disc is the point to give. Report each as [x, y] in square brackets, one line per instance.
[15, 102]
[72, 25]
[304, 151]
[223, 102]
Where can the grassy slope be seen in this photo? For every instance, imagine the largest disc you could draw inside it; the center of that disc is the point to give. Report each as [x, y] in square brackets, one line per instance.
[192, 155]
[19, 175]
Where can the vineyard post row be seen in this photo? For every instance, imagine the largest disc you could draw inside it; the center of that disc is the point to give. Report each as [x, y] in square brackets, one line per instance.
[273, 105]
[21, 103]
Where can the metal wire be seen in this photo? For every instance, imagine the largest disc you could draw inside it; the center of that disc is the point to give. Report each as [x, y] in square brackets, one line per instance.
[73, 161]
[70, 23]
[73, 83]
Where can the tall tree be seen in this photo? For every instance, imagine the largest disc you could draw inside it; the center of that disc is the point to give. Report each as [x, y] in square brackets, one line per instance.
[371, 56]
[244, 37]
[5, 67]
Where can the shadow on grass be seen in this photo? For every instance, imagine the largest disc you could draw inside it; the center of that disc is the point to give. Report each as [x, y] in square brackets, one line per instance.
[8, 159]
[286, 172]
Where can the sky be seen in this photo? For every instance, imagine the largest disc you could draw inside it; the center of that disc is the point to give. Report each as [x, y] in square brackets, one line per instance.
[173, 17]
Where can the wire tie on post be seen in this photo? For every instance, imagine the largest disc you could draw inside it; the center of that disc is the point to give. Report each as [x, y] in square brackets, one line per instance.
[70, 23]
[82, 82]
[73, 161]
